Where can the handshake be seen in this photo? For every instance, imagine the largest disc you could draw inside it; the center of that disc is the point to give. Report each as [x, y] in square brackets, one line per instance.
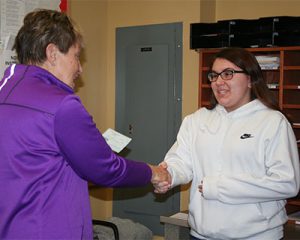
[161, 178]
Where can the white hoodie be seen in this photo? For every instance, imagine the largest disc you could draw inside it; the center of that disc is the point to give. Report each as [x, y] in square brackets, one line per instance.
[248, 162]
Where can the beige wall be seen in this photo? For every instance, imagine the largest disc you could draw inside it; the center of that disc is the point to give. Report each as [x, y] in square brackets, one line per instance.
[99, 19]
[92, 18]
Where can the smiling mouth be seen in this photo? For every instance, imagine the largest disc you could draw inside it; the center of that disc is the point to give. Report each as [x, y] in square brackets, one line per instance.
[222, 92]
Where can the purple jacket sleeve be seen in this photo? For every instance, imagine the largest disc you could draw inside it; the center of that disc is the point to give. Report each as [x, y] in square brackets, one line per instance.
[85, 149]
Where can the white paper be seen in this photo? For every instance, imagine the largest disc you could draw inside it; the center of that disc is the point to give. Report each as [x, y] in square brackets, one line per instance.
[7, 58]
[116, 140]
[12, 14]
[273, 85]
[44, 4]
[268, 62]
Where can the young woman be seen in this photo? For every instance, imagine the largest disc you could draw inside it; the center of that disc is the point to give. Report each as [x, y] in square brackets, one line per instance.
[240, 154]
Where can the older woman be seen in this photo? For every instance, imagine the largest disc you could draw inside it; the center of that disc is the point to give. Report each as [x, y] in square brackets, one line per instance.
[49, 145]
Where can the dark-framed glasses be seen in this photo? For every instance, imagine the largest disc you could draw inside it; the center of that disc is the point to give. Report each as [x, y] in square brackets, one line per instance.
[226, 74]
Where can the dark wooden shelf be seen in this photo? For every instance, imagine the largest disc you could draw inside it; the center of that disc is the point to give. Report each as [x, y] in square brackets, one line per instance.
[291, 106]
[295, 202]
[291, 68]
[292, 87]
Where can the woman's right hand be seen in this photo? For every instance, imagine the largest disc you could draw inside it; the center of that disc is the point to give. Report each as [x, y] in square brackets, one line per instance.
[163, 186]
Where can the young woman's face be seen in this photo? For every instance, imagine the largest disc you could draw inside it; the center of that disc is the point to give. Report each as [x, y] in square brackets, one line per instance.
[234, 93]
[68, 67]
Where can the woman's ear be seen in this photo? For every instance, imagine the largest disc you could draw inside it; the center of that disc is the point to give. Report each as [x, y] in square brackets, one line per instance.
[51, 52]
[249, 82]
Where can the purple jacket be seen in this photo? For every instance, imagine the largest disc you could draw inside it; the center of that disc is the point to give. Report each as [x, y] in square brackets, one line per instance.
[49, 149]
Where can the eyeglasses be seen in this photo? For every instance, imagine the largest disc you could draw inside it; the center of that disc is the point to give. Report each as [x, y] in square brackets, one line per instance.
[226, 74]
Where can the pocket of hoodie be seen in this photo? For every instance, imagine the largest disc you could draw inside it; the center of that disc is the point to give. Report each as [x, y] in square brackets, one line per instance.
[270, 209]
[211, 217]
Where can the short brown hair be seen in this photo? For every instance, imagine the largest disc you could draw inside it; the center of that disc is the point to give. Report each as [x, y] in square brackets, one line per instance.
[40, 28]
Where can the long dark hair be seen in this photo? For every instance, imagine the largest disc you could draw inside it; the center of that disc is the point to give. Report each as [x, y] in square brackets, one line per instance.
[247, 62]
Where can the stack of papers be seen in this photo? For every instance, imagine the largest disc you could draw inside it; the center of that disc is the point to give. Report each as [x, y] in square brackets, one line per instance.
[268, 62]
[273, 85]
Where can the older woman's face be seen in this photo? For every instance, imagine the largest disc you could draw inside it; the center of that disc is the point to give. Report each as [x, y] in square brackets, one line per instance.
[67, 66]
[234, 93]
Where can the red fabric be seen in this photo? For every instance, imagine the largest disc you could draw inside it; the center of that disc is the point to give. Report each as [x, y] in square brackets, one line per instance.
[63, 5]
